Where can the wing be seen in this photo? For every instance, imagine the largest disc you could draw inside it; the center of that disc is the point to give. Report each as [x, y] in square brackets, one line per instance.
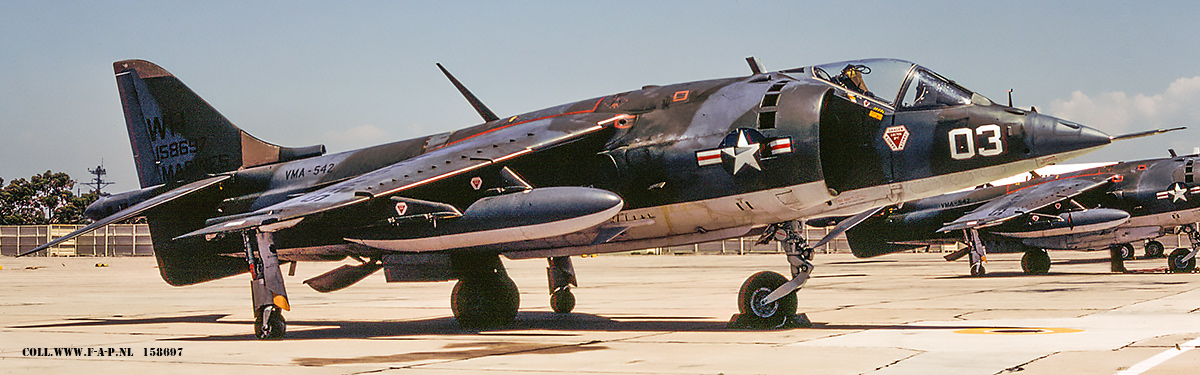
[501, 144]
[135, 210]
[1027, 199]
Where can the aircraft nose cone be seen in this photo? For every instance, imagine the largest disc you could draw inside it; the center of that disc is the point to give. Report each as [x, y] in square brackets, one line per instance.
[1056, 136]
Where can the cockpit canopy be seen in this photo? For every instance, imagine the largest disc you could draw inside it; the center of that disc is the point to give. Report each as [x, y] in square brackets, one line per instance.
[897, 83]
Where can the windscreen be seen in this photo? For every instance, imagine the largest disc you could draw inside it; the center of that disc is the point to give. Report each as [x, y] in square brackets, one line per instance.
[928, 90]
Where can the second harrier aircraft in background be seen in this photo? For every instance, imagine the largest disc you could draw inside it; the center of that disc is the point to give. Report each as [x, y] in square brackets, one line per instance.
[1108, 206]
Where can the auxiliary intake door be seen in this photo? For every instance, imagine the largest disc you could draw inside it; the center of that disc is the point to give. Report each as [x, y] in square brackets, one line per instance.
[850, 145]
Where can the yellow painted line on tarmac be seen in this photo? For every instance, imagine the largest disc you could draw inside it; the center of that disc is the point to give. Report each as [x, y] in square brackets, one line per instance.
[1017, 331]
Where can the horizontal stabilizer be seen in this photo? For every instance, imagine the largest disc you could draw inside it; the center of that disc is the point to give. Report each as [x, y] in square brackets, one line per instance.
[135, 210]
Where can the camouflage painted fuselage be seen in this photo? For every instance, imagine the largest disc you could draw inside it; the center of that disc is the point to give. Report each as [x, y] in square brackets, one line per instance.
[692, 162]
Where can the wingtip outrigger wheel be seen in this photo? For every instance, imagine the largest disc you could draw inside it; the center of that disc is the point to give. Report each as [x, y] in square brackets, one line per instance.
[269, 323]
[266, 285]
[978, 252]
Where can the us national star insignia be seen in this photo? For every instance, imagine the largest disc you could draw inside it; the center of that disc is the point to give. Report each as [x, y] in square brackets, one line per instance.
[744, 154]
[1177, 192]
[744, 149]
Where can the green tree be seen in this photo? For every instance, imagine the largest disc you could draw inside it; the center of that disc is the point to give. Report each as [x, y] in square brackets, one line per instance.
[43, 199]
[5, 204]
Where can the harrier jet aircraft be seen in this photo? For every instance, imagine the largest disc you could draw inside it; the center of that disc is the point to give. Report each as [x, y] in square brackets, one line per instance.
[660, 166]
[1107, 206]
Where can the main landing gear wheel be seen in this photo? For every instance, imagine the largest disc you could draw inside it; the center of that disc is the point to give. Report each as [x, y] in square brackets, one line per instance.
[1126, 251]
[754, 291]
[485, 302]
[274, 327]
[1155, 249]
[1175, 262]
[562, 301]
[1035, 262]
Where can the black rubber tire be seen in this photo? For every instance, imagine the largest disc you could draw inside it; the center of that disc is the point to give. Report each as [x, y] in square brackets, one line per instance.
[1126, 251]
[562, 301]
[1155, 249]
[757, 287]
[977, 270]
[1035, 262]
[276, 325]
[1175, 262]
[485, 302]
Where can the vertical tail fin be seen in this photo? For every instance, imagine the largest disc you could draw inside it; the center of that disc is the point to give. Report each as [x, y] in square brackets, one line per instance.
[176, 136]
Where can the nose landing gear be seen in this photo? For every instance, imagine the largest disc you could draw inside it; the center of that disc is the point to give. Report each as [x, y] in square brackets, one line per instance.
[768, 299]
[1184, 260]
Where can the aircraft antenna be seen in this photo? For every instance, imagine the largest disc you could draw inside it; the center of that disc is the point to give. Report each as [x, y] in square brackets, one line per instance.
[98, 182]
[1010, 97]
[483, 110]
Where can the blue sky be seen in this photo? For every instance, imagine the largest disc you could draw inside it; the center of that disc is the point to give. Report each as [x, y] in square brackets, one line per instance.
[353, 74]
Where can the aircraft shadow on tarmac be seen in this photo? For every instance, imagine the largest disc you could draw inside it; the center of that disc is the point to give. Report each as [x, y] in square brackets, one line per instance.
[1014, 273]
[567, 324]
[86, 322]
[1010, 274]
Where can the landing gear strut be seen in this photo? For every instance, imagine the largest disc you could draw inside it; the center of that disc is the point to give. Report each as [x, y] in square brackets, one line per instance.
[266, 285]
[767, 299]
[484, 297]
[561, 275]
[978, 252]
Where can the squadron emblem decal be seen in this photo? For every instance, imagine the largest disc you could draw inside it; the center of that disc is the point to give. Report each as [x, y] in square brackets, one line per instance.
[895, 137]
[744, 149]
